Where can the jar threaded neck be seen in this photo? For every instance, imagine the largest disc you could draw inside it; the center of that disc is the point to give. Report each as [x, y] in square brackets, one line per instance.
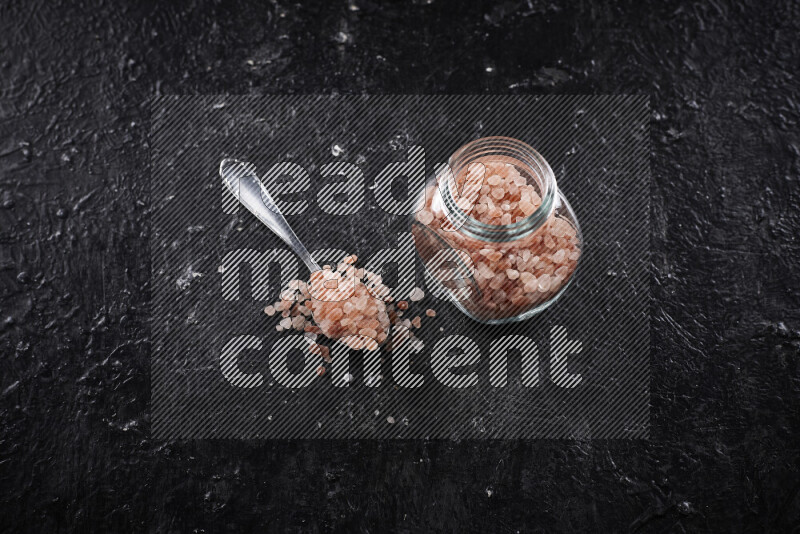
[492, 149]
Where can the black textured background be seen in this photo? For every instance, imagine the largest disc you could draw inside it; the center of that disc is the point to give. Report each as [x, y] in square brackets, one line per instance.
[725, 422]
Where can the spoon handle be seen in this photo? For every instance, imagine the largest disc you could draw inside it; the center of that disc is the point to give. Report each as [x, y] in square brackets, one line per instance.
[241, 180]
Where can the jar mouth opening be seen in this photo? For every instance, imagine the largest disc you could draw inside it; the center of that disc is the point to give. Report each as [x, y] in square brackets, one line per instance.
[530, 164]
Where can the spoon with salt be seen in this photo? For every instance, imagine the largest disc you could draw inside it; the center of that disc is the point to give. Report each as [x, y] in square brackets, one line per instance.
[242, 181]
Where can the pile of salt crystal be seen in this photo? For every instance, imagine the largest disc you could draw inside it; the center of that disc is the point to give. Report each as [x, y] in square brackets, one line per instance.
[345, 303]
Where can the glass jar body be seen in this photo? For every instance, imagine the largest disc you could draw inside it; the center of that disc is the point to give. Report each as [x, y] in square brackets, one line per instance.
[497, 258]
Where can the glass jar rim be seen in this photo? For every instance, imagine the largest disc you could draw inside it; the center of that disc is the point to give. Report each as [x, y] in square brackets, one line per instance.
[499, 147]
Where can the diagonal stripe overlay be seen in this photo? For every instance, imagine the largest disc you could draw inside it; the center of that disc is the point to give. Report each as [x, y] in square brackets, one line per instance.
[345, 170]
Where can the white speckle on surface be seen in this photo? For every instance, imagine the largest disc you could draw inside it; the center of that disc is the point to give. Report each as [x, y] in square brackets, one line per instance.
[186, 278]
[129, 425]
[337, 150]
[348, 378]
[390, 420]
[341, 37]
[489, 492]
[221, 269]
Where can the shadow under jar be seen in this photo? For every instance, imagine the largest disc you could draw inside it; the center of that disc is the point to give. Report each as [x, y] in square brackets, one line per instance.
[494, 232]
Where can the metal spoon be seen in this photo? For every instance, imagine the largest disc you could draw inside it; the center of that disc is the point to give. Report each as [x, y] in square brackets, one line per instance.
[241, 180]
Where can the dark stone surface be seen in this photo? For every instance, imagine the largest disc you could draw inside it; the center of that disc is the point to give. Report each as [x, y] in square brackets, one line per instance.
[74, 448]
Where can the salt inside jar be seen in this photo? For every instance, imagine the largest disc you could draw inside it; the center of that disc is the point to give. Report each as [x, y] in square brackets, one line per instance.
[496, 217]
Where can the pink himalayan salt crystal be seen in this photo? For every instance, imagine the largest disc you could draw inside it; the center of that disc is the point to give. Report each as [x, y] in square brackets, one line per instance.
[416, 295]
[485, 271]
[425, 217]
[544, 283]
[368, 332]
[526, 207]
[494, 256]
[497, 281]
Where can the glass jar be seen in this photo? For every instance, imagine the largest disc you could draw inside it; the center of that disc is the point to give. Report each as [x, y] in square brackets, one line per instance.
[495, 234]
